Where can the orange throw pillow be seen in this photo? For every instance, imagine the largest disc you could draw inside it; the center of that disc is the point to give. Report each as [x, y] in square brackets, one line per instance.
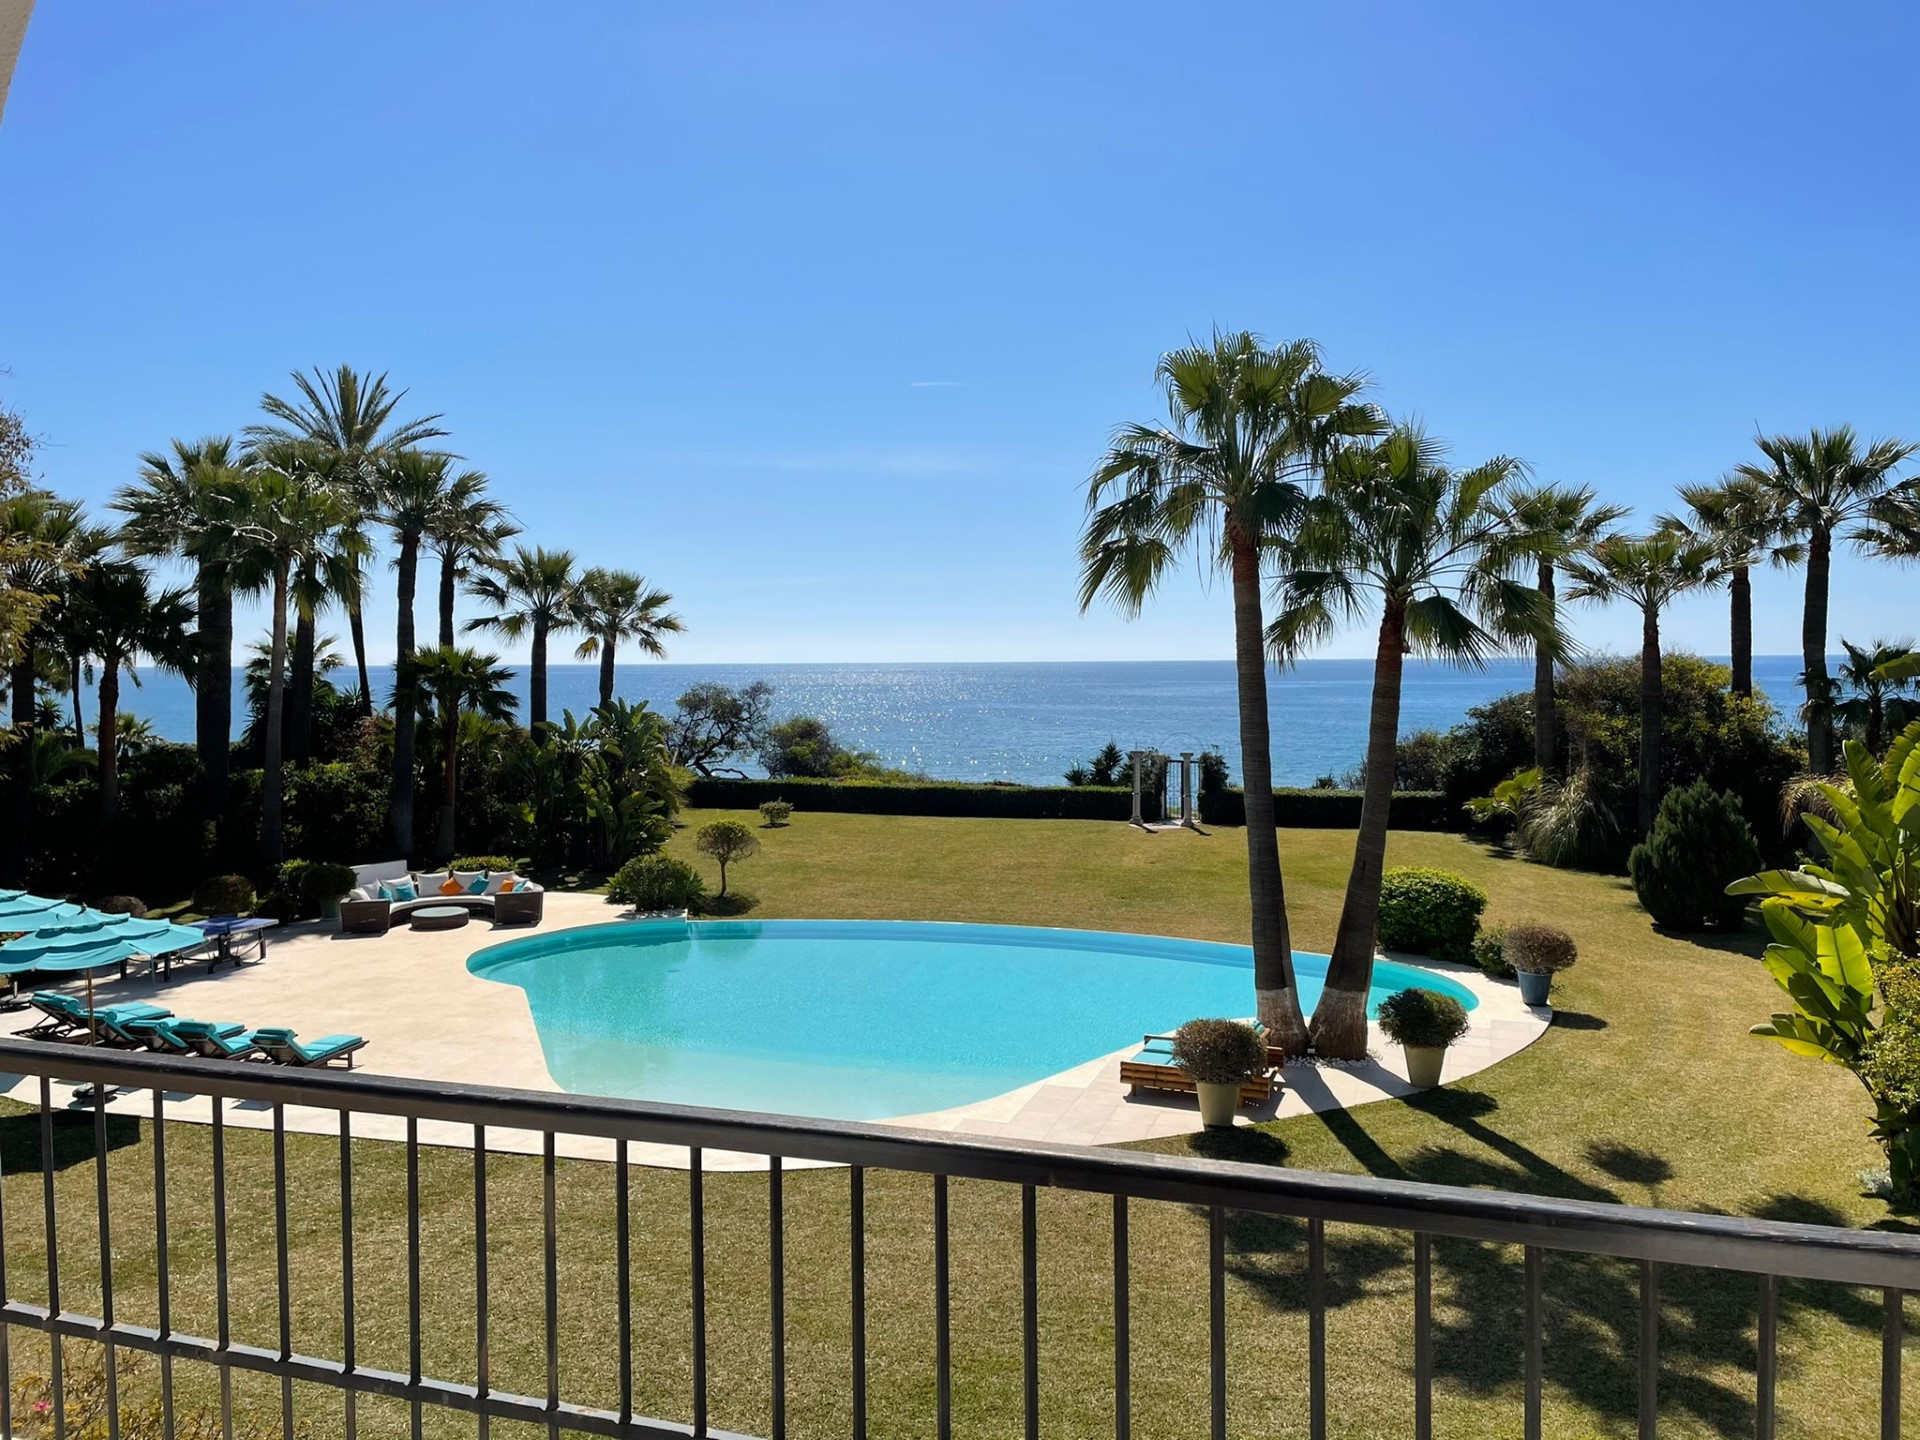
[507, 888]
[452, 886]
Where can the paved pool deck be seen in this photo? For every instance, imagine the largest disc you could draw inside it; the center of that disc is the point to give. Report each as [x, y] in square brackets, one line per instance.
[318, 981]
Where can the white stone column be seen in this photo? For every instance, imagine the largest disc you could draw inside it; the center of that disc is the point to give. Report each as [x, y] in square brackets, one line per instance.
[1186, 787]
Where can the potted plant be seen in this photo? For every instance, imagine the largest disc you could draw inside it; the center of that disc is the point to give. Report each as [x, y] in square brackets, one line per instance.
[326, 884]
[1423, 1023]
[1221, 1056]
[1537, 953]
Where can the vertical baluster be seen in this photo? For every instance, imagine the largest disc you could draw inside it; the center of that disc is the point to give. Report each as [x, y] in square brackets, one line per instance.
[59, 1378]
[280, 1263]
[413, 1263]
[552, 1247]
[6, 1330]
[223, 1319]
[1122, 1326]
[1649, 1349]
[349, 1355]
[101, 1203]
[777, 1281]
[483, 1374]
[623, 1260]
[162, 1281]
[1317, 1329]
[942, 1316]
[1536, 1324]
[1217, 1318]
[857, 1216]
[1030, 1307]
[1892, 1333]
[1422, 1337]
[1766, 1363]
[697, 1244]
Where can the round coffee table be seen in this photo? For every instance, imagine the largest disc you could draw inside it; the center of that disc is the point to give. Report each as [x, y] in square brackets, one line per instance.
[438, 917]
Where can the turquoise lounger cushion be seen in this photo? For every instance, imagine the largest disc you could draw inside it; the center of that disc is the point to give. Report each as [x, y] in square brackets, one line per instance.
[131, 1010]
[326, 1043]
[1154, 1055]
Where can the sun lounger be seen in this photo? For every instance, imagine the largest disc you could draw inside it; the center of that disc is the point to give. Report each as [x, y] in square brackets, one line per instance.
[283, 1048]
[166, 1036]
[218, 1040]
[67, 1017]
[119, 1024]
[1151, 1067]
[64, 1015]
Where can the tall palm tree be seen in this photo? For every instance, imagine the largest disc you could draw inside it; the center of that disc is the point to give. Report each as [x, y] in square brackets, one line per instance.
[1431, 550]
[184, 504]
[452, 683]
[616, 605]
[469, 529]
[535, 592]
[346, 420]
[1877, 703]
[1742, 521]
[1566, 520]
[1249, 428]
[1829, 487]
[1649, 572]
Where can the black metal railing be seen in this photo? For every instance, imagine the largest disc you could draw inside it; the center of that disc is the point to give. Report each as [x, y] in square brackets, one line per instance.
[1653, 1239]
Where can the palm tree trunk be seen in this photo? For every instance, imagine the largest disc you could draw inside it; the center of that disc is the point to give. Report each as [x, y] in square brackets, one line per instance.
[1740, 602]
[449, 572]
[606, 670]
[449, 782]
[1340, 1019]
[1813, 652]
[13, 862]
[405, 707]
[109, 736]
[1277, 997]
[1876, 722]
[213, 687]
[537, 678]
[300, 691]
[1651, 703]
[273, 782]
[74, 668]
[357, 632]
[1544, 723]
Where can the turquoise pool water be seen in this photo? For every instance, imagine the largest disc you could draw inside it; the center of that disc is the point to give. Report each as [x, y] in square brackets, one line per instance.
[863, 1019]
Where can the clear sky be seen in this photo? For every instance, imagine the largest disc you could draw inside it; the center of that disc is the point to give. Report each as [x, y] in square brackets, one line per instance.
[818, 315]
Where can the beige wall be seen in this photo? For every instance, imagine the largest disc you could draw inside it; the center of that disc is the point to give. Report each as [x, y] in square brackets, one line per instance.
[13, 29]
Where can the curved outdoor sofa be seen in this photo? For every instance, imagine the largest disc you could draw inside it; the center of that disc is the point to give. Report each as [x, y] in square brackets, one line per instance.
[364, 912]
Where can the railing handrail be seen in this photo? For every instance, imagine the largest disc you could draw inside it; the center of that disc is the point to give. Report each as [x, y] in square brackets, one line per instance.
[1784, 1248]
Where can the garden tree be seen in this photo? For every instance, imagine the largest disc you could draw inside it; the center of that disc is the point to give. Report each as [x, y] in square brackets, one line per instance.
[1566, 521]
[1829, 487]
[468, 529]
[712, 723]
[1877, 703]
[335, 573]
[185, 504]
[1249, 427]
[345, 421]
[1700, 844]
[450, 684]
[726, 842]
[616, 605]
[535, 593]
[1103, 769]
[1649, 572]
[596, 792]
[803, 748]
[1743, 521]
[1430, 549]
[337, 724]
[19, 606]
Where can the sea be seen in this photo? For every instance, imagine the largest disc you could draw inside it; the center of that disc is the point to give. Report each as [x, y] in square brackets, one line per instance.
[1028, 722]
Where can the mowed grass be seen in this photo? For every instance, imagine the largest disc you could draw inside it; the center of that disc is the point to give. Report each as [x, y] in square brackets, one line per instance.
[1648, 1091]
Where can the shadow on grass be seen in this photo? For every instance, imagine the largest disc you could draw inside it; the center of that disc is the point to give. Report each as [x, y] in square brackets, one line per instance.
[724, 907]
[72, 1139]
[1630, 1163]
[1577, 1020]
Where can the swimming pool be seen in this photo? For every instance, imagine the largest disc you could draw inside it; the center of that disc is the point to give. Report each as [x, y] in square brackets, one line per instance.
[864, 1019]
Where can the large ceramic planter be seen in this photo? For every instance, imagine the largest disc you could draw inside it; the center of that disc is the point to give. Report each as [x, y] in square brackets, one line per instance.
[330, 907]
[1218, 1102]
[1534, 986]
[1424, 1063]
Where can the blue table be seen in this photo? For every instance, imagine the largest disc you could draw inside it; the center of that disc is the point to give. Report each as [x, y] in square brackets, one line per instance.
[223, 929]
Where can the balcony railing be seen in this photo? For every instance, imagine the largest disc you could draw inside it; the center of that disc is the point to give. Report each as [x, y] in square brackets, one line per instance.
[262, 1097]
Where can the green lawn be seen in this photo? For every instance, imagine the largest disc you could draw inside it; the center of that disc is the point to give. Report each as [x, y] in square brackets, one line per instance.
[1647, 1091]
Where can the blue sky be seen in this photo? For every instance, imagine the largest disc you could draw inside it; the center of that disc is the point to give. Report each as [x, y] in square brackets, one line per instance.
[819, 315]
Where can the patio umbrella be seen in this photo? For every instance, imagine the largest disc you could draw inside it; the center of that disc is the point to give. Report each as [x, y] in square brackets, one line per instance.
[88, 945]
[21, 911]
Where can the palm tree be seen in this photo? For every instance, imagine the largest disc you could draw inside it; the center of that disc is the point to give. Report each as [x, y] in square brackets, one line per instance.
[616, 605]
[534, 592]
[1742, 521]
[1649, 572]
[1566, 521]
[333, 573]
[452, 683]
[1249, 427]
[469, 529]
[346, 419]
[1829, 488]
[1431, 549]
[1877, 703]
[185, 504]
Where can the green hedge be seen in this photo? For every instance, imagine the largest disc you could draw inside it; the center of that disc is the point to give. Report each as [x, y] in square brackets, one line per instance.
[1335, 809]
[931, 797]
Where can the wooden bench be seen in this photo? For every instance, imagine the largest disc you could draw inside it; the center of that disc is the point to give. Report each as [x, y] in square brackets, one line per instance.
[1153, 1069]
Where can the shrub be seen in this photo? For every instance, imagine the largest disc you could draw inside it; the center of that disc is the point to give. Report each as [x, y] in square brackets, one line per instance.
[1540, 949]
[1700, 844]
[1324, 809]
[1430, 912]
[1572, 824]
[224, 895]
[921, 797]
[326, 880]
[122, 905]
[1219, 1052]
[1490, 954]
[725, 841]
[1423, 1017]
[658, 882]
[489, 863]
[776, 812]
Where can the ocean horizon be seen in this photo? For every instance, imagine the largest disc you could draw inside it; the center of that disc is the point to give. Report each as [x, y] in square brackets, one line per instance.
[1027, 721]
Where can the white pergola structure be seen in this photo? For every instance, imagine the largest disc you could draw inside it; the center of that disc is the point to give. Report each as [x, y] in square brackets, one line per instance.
[1188, 820]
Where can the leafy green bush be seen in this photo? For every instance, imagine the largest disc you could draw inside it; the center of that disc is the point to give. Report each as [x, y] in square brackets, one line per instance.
[1219, 1052]
[325, 880]
[658, 882]
[122, 905]
[1490, 954]
[1430, 912]
[1326, 808]
[923, 797]
[1573, 824]
[1540, 949]
[489, 863]
[1422, 1017]
[725, 842]
[1700, 844]
[776, 812]
[224, 895]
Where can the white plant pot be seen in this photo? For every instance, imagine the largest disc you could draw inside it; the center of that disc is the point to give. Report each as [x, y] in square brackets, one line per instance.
[1218, 1102]
[1424, 1063]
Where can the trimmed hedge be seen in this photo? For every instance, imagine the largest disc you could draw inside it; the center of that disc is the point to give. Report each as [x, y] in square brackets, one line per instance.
[933, 797]
[1334, 809]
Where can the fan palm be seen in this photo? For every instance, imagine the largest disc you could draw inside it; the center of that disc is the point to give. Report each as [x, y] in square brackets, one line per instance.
[535, 593]
[469, 529]
[452, 683]
[1566, 522]
[334, 573]
[1649, 572]
[1249, 428]
[1877, 704]
[1431, 550]
[1829, 487]
[616, 605]
[1742, 521]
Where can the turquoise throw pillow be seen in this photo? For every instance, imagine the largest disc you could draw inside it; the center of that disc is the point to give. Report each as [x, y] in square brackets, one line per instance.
[478, 885]
[399, 893]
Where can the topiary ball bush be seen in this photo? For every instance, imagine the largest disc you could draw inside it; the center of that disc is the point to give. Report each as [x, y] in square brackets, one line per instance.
[1540, 949]
[1701, 843]
[1219, 1052]
[776, 813]
[224, 895]
[658, 882]
[1430, 912]
[1422, 1017]
[122, 905]
[324, 880]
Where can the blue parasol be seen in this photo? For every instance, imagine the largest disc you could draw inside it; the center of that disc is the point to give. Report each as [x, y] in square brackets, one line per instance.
[89, 943]
[21, 911]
